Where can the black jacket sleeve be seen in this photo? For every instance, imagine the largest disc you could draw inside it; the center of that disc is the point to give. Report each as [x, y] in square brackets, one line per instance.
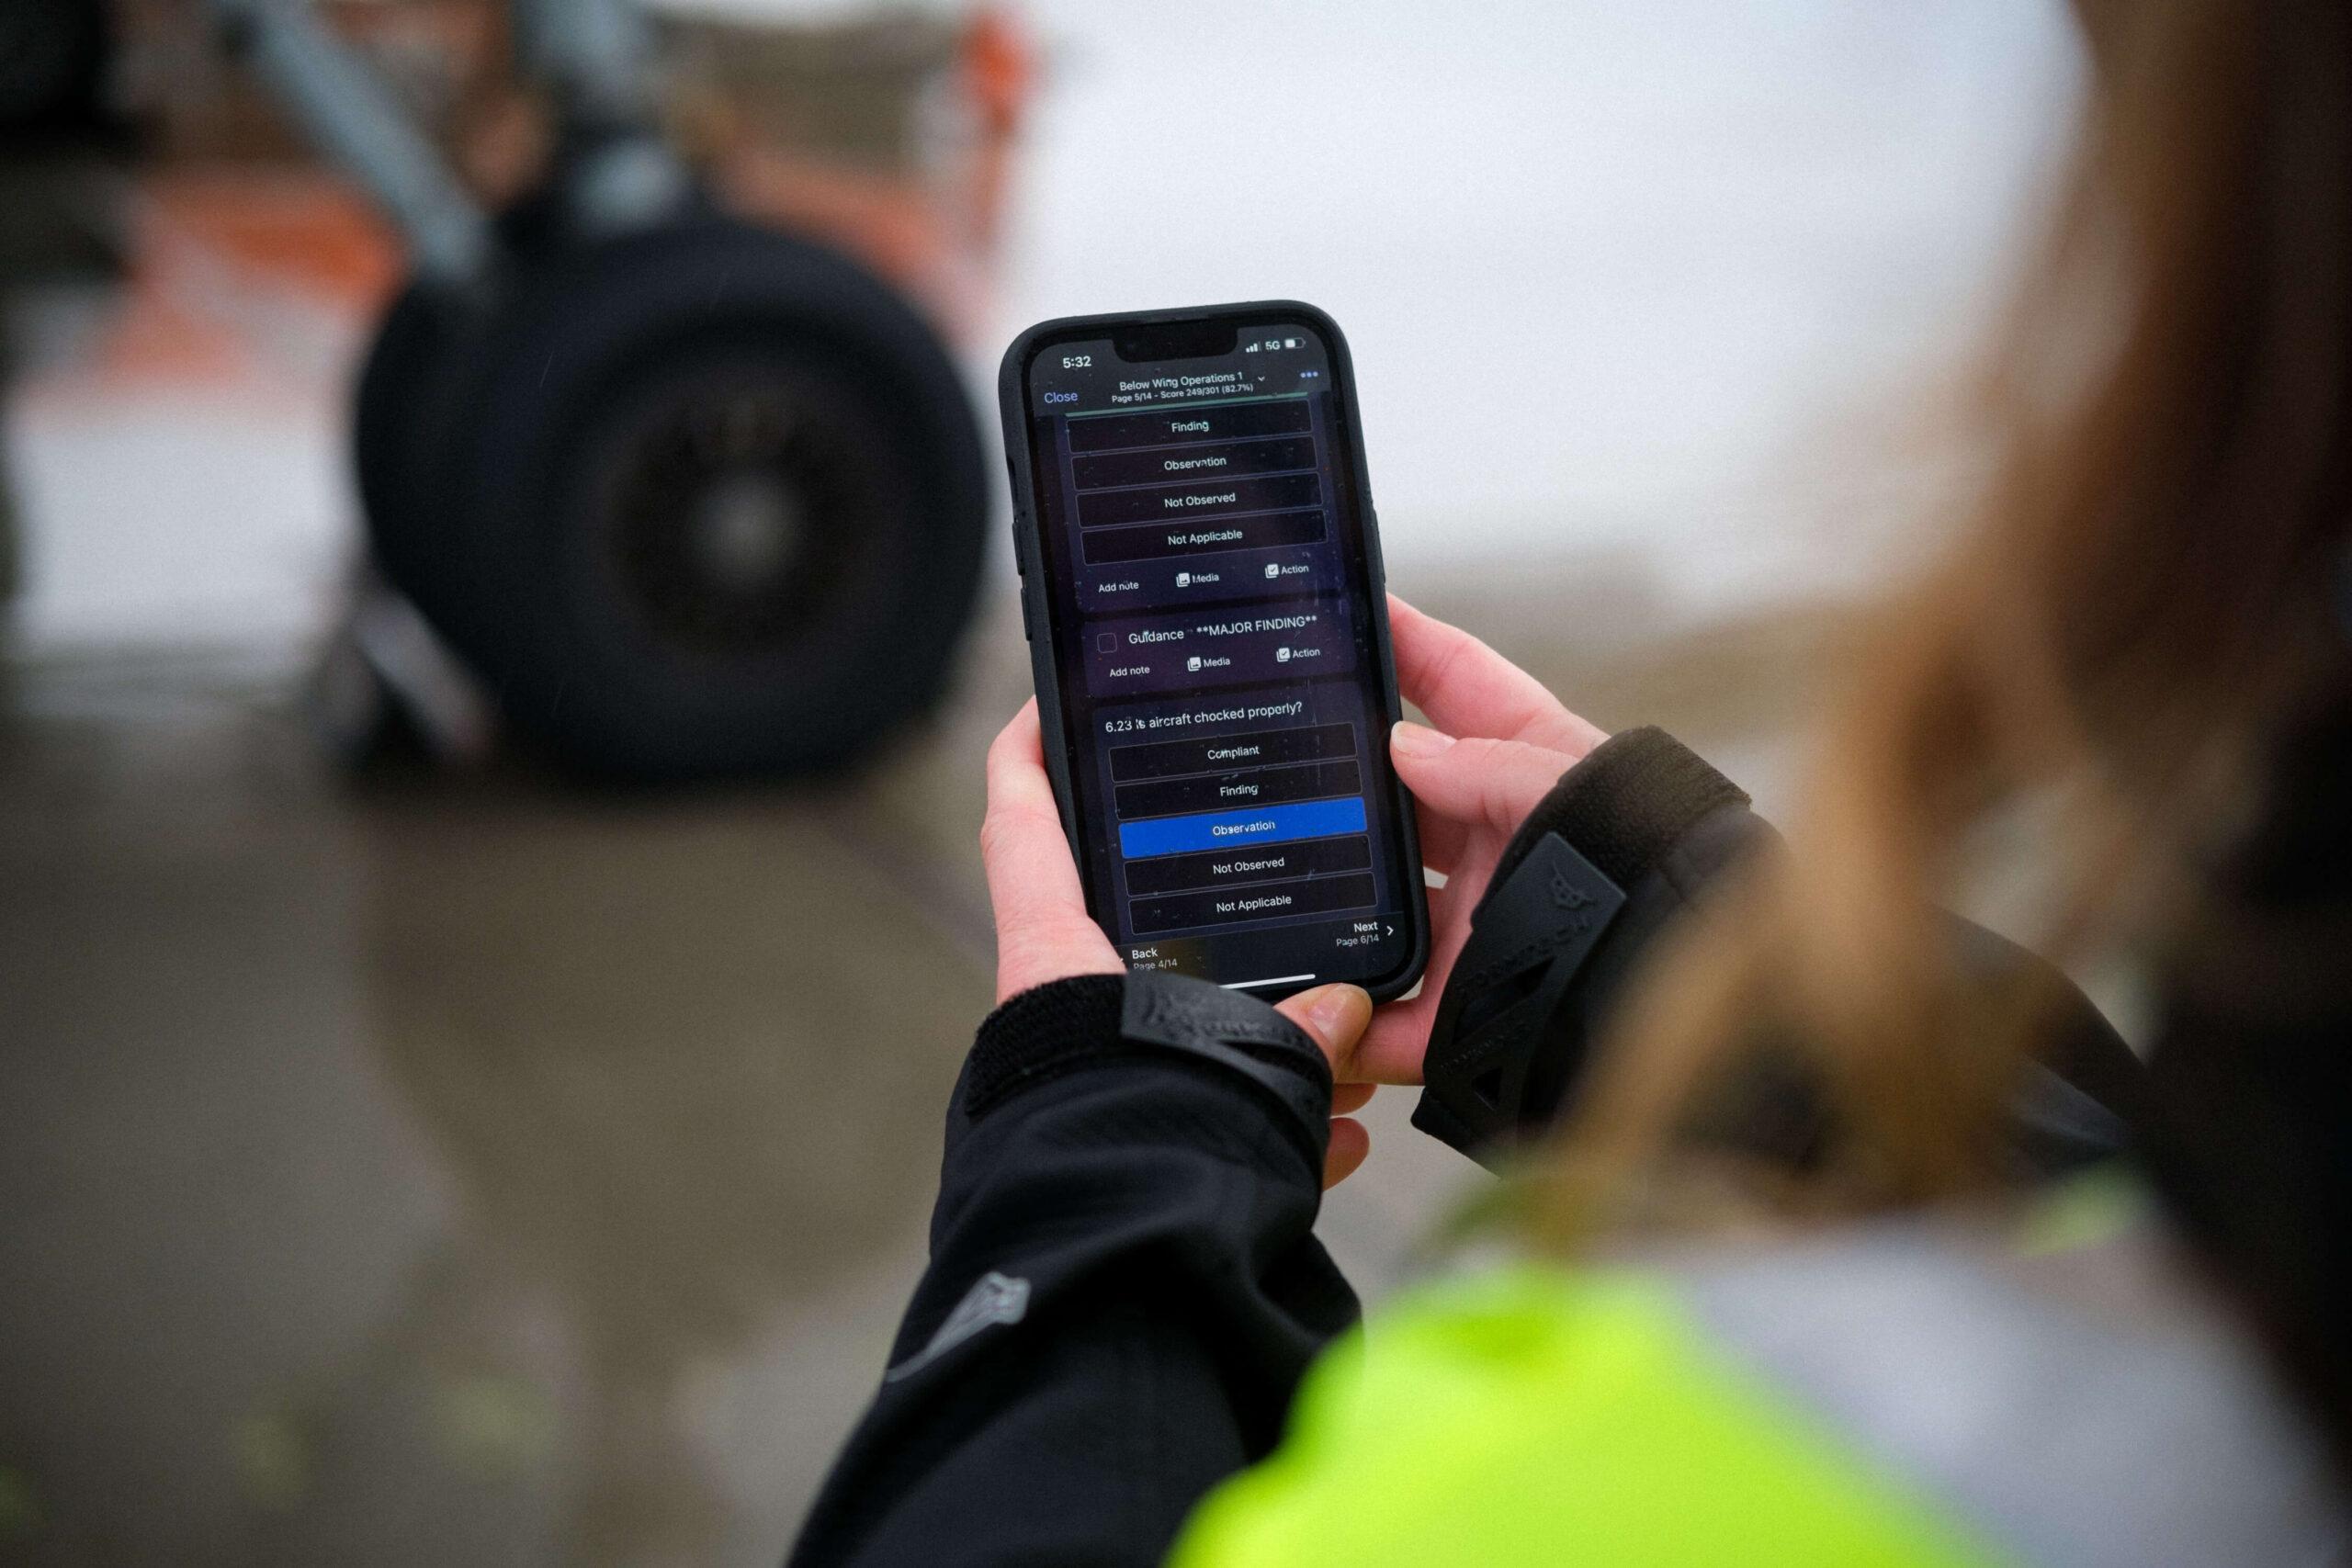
[1630, 840]
[1123, 1288]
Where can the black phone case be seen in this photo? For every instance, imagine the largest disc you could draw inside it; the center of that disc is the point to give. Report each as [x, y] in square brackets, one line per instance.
[1028, 554]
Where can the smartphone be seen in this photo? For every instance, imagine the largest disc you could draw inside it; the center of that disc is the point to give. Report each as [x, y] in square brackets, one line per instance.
[1208, 627]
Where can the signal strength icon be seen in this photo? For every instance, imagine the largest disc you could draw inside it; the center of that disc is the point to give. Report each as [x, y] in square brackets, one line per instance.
[1251, 347]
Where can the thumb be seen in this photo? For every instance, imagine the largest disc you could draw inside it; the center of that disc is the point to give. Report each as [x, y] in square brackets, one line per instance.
[1496, 782]
[1334, 1018]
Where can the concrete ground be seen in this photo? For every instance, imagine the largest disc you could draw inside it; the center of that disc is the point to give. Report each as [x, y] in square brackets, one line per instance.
[458, 1169]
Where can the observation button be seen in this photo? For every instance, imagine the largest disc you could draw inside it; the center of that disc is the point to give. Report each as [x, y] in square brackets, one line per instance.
[1224, 460]
[1266, 825]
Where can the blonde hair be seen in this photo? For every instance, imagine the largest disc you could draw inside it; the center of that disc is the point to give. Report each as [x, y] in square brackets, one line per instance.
[2145, 590]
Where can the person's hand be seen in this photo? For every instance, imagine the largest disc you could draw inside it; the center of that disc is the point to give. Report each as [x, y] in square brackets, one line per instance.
[1502, 742]
[1042, 931]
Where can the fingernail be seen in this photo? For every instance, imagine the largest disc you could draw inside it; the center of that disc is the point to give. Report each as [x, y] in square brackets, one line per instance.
[1417, 740]
[1340, 1013]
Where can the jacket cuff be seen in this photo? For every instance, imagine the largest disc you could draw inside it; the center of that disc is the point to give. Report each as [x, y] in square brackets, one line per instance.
[1089, 1021]
[1612, 852]
[1626, 806]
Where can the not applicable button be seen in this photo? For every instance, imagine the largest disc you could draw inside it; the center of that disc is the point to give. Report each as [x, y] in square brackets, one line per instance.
[1317, 895]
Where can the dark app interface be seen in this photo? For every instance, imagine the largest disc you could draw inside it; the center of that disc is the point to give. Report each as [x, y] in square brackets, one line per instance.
[1211, 610]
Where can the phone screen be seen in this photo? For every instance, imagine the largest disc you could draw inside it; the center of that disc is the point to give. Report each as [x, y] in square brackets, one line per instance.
[1210, 578]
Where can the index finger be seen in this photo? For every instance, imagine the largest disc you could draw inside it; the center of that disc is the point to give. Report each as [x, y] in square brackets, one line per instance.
[1467, 688]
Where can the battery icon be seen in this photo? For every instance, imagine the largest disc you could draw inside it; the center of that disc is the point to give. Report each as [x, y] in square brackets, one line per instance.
[1289, 343]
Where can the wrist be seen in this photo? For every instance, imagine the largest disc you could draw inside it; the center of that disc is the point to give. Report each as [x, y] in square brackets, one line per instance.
[1091, 1021]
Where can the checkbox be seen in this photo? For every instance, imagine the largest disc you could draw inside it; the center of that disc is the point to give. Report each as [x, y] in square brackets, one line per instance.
[1106, 643]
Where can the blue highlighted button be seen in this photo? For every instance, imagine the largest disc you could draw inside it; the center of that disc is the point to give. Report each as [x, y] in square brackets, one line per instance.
[1262, 825]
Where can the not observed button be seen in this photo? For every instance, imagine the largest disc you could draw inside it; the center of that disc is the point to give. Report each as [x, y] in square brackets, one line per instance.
[1267, 863]
[1175, 503]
